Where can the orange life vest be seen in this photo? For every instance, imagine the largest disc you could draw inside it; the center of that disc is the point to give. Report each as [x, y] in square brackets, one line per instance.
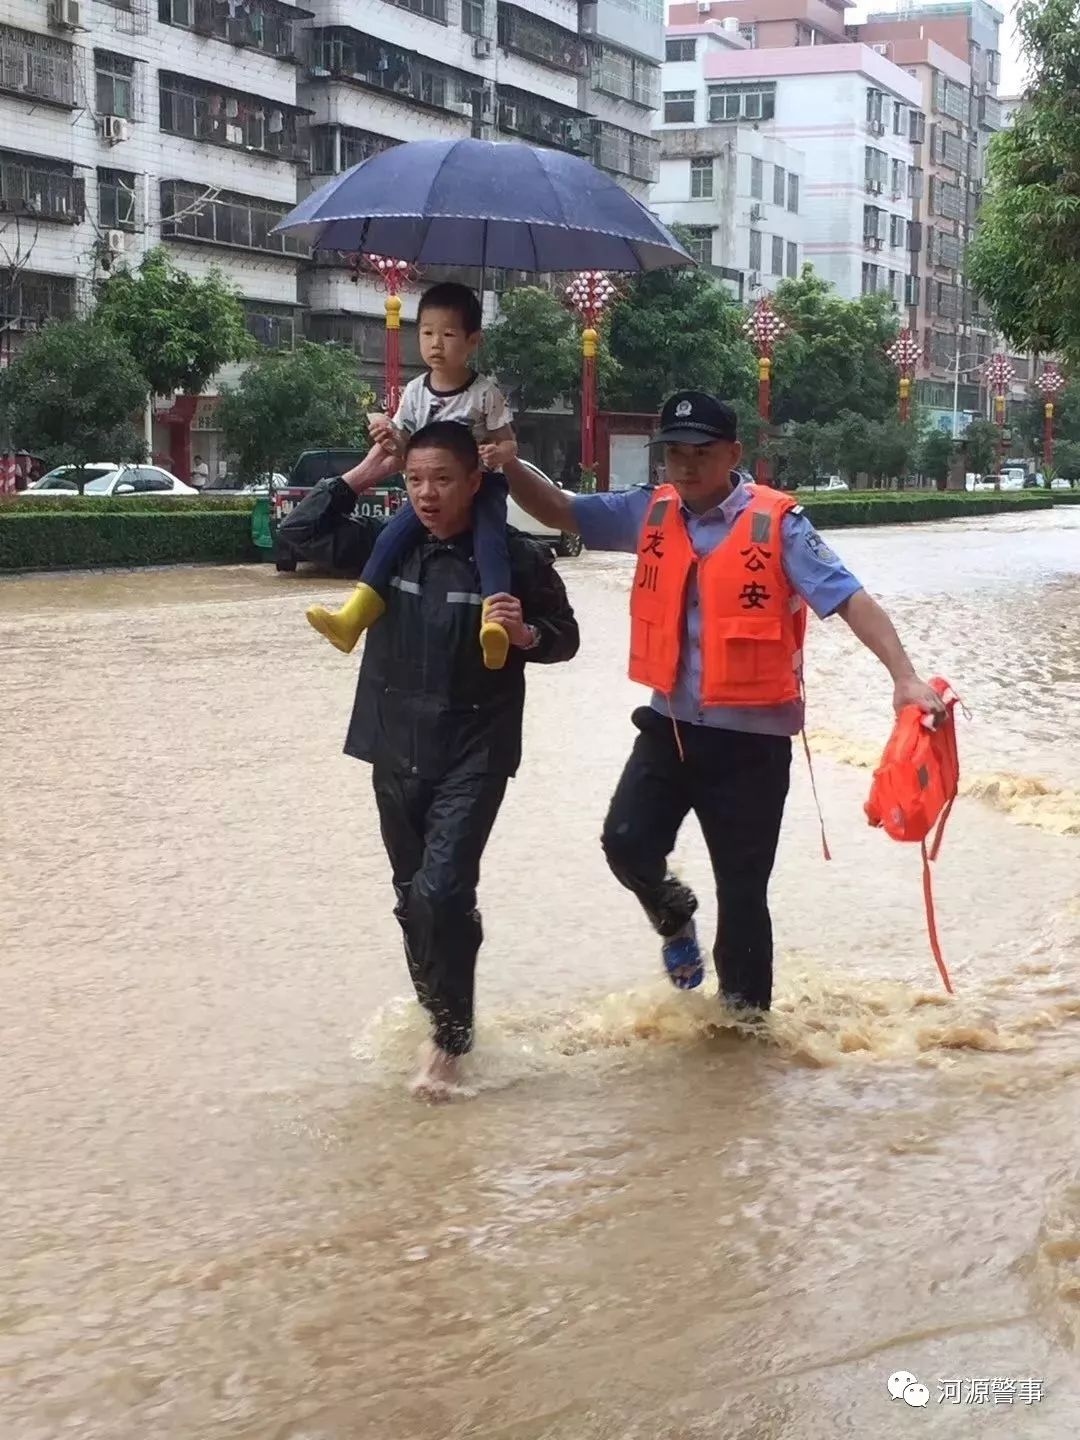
[914, 788]
[752, 620]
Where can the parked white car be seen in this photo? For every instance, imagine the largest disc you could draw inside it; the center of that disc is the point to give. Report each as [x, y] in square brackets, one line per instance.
[568, 545]
[105, 477]
[1060, 483]
[62, 481]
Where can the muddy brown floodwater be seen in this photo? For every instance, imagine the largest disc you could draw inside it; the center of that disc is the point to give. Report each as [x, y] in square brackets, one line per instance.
[222, 1218]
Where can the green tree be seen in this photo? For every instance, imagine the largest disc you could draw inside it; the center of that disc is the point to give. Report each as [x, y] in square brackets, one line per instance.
[675, 330]
[534, 348]
[935, 456]
[980, 441]
[71, 395]
[832, 357]
[289, 401]
[1023, 258]
[797, 453]
[180, 330]
[1067, 461]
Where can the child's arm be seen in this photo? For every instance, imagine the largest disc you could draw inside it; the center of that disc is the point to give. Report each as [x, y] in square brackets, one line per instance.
[496, 449]
[376, 465]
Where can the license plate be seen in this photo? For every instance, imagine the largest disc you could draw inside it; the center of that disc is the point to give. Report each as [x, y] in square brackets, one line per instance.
[285, 507]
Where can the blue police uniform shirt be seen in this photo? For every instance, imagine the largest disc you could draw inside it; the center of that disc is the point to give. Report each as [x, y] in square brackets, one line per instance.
[614, 521]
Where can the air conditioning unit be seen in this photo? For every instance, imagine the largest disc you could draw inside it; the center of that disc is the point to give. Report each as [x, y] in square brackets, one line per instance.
[481, 47]
[756, 212]
[64, 14]
[703, 7]
[114, 129]
[881, 49]
[115, 242]
[462, 107]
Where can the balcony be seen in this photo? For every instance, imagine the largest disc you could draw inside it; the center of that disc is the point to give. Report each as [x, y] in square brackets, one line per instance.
[539, 39]
[335, 148]
[235, 222]
[951, 99]
[624, 152]
[339, 53]
[946, 200]
[636, 25]
[40, 189]
[30, 298]
[37, 67]
[617, 73]
[946, 251]
[264, 25]
[543, 122]
[991, 116]
[270, 325]
[200, 110]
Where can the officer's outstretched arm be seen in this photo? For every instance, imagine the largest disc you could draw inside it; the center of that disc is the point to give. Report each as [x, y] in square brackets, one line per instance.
[537, 496]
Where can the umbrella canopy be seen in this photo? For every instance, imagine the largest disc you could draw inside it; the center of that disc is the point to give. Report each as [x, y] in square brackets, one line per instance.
[479, 203]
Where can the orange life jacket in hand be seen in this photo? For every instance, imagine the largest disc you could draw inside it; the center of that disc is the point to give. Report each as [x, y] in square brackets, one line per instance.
[752, 620]
[914, 788]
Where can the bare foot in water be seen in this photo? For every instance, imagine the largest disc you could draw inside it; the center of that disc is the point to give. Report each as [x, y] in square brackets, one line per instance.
[438, 1076]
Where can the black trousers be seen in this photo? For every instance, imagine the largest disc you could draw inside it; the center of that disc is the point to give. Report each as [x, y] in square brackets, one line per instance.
[736, 784]
[435, 832]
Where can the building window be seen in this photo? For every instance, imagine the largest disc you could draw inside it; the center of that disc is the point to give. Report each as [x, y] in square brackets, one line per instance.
[777, 267]
[45, 189]
[30, 297]
[899, 179]
[899, 119]
[917, 127]
[951, 99]
[521, 113]
[472, 17]
[699, 240]
[256, 24]
[115, 76]
[616, 72]
[755, 249]
[200, 110]
[897, 232]
[875, 111]
[241, 221]
[869, 279]
[541, 40]
[116, 199]
[701, 179]
[271, 325]
[793, 194]
[37, 65]
[679, 107]
[680, 50]
[911, 290]
[792, 260]
[749, 34]
[757, 178]
[337, 148]
[359, 58]
[755, 101]
[915, 182]
[779, 184]
[805, 34]
[872, 222]
[430, 9]
[875, 170]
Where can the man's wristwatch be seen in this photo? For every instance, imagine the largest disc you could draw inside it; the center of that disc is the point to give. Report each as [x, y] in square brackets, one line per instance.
[537, 636]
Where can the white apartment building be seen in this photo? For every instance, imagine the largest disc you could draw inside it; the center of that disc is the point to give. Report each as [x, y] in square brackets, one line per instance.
[850, 117]
[737, 190]
[199, 123]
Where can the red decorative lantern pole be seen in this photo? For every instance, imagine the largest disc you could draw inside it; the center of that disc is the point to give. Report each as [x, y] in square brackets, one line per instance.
[763, 328]
[999, 375]
[1050, 382]
[588, 295]
[904, 354]
[393, 276]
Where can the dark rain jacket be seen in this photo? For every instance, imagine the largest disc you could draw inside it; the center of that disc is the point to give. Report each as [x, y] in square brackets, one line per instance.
[425, 705]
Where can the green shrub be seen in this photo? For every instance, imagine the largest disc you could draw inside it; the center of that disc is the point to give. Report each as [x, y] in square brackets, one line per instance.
[876, 508]
[122, 504]
[32, 539]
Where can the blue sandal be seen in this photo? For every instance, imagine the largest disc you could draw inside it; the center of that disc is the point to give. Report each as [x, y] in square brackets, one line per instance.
[682, 959]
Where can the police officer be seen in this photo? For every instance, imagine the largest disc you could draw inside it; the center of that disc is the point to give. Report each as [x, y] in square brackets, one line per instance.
[725, 571]
[441, 732]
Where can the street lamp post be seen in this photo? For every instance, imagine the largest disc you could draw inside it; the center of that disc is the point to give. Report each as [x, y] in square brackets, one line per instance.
[393, 276]
[588, 295]
[763, 328]
[904, 354]
[1050, 382]
[999, 374]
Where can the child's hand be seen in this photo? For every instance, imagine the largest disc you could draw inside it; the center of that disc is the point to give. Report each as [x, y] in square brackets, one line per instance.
[495, 455]
[386, 435]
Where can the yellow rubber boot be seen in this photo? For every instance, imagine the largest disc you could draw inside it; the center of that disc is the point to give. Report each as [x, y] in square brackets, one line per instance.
[344, 627]
[494, 642]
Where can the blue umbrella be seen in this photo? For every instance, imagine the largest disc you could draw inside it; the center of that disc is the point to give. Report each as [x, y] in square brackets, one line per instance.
[481, 204]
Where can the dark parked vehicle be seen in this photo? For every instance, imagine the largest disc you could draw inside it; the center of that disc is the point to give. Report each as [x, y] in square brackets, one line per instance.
[313, 466]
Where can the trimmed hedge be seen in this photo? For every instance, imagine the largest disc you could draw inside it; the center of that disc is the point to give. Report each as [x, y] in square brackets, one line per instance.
[875, 507]
[122, 504]
[33, 539]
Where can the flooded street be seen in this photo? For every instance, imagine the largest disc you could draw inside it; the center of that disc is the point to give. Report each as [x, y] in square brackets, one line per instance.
[222, 1217]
